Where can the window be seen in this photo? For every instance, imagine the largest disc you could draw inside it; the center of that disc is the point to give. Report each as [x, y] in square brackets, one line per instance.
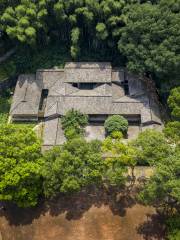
[43, 99]
[87, 86]
[84, 86]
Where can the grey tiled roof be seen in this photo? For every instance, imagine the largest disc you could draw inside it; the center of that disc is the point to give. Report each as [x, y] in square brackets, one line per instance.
[107, 97]
[53, 133]
[88, 72]
[27, 96]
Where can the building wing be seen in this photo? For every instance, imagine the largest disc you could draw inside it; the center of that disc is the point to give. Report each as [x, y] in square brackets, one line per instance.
[26, 98]
[93, 88]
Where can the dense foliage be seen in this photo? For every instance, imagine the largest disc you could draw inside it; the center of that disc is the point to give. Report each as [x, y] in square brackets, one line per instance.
[149, 39]
[20, 153]
[5, 102]
[173, 225]
[172, 132]
[153, 147]
[116, 123]
[73, 123]
[143, 34]
[118, 156]
[174, 102]
[163, 188]
[72, 166]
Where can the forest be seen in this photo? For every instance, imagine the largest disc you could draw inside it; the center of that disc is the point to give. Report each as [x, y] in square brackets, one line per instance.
[142, 35]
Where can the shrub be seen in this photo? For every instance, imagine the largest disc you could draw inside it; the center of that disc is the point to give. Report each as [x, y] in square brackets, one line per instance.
[73, 123]
[116, 123]
[116, 135]
[152, 146]
[71, 133]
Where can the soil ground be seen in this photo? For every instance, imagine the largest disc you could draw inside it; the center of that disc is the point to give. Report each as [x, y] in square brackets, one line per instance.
[89, 215]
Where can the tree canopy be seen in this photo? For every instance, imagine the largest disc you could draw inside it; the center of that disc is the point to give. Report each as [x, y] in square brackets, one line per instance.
[118, 156]
[163, 188]
[149, 39]
[142, 34]
[71, 166]
[20, 154]
[25, 20]
[172, 132]
[153, 147]
[174, 102]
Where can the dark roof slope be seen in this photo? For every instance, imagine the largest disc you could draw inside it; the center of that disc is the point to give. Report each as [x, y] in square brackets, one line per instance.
[27, 96]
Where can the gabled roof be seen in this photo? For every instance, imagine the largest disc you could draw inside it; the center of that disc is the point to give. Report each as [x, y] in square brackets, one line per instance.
[88, 72]
[27, 96]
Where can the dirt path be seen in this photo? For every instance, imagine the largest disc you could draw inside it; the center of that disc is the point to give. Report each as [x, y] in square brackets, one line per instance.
[84, 216]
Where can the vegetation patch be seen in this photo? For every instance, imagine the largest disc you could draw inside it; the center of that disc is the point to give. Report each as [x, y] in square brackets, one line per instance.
[7, 70]
[116, 123]
[20, 178]
[73, 123]
[72, 166]
[152, 146]
[173, 225]
[5, 103]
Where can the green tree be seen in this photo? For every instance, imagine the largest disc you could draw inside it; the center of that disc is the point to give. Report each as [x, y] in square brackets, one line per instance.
[172, 132]
[20, 177]
[95, 20]
[116, 123]
[163, 188]
[174, 102]
[153, 147]
[150, 39]
[24, 21]
[118, 157]
[71, 166]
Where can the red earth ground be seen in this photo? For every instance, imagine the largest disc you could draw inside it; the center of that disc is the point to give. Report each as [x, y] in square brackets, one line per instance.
[89, 215]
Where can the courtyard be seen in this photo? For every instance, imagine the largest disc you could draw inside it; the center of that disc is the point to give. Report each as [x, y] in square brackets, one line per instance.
[97, 131]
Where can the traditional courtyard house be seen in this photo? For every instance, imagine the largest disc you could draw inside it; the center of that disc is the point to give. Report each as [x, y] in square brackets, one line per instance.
[94, 88]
